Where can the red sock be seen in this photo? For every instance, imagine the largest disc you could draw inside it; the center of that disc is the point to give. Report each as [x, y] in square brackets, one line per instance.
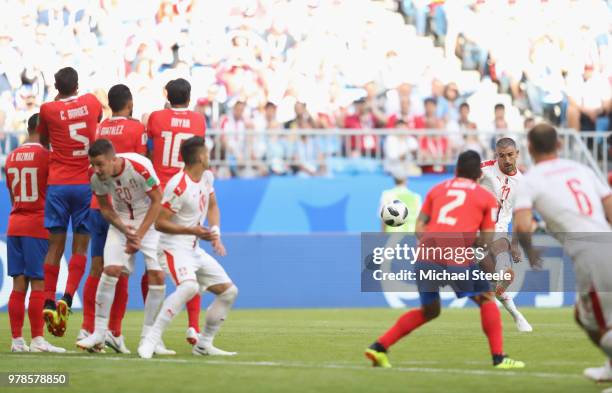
[16, 310]
[492, 326]
[144, 286]
[51, 273]
[193, 312]
[404, 325]
[89, 303]
[35, 313]
[119, 304]
[76, 269]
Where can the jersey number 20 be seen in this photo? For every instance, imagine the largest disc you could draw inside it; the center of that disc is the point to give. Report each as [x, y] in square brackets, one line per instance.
[21, 179]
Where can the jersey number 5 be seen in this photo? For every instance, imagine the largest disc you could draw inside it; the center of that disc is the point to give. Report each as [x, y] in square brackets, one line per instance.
[73, 128]
[172, 148]
[459, 199]
[582, 199]
[20, 178]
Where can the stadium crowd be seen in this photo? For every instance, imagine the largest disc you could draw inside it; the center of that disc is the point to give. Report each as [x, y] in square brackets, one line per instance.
[475, 65]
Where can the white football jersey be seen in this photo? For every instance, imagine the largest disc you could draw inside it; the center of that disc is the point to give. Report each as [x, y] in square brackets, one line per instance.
[504, 187]
[188, 200]
[129, 188]
[568, 196]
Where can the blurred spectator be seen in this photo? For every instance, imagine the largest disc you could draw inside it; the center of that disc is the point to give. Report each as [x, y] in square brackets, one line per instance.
[405, 116]
[590, 100]
[364, 118]
[529, 123]
[233, 145]
[471, 139]
[302, 119]
[400, 151]
[434, 149]
[432, 119]
[499, 118]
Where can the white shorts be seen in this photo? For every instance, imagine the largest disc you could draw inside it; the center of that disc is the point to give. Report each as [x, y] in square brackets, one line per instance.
[192, 264]
[115, 255]
[594, 288]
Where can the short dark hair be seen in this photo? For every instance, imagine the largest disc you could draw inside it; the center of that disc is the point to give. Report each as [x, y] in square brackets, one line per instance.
[101, 147]
[505, 142]
[543, 138]
[464, 105]
[430, 100]
[270, 104]
[190, 147]
[178, 91]
[468, 165]
[32, 124]
[500, 106]
[66, 81]
[118, 97]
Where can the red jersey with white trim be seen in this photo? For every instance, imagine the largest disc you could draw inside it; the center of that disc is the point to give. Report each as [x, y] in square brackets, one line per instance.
[127, 136]
[167, 129]
[129, 189]
[27, 169]
[504, 188]
[71, 126]
[188, 200]
[459, 205]
[568, 196]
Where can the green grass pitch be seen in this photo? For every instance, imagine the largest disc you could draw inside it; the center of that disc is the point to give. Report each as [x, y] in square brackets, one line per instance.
[322, 351]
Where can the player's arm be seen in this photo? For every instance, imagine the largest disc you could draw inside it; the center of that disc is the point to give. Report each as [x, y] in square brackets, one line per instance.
[214, 220]
[111, 216]
[164, 224]
[607, 204]
[43, 129]
[8, 184]
[522, 232]
[154, 208]
[421, 224]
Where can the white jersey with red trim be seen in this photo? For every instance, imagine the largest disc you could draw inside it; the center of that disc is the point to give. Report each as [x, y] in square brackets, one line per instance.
[568, 196]
[130, 187]
[188, 200]
[504, 187]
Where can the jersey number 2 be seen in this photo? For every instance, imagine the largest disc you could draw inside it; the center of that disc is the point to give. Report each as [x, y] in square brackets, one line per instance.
[459, 199]
[21, 179]
[172, 148]
[582, 199]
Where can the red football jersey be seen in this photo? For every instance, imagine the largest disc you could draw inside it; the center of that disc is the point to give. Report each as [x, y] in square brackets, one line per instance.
[26, 170]
[167, 129]
[71, 126]
[127, 136]
[459, 205]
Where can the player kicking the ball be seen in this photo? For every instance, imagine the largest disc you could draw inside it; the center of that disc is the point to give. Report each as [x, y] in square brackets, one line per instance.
[501, 177]
[188, 198]
[26, 173]
[131, 182]
[577, 209]
[440, 215]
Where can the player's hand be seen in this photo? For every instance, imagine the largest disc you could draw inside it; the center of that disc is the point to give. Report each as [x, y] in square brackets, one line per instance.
[132, 247]
[515, 251]
[205, 233]
[218, 247]
[535, 259]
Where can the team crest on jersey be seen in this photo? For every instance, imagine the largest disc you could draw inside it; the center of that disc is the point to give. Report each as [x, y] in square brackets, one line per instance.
[151, 181]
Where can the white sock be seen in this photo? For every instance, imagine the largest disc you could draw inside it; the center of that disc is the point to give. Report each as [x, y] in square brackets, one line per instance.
[155, 298]
[105, 294]
[605, 343]
[503, 261]
[172, 306]
[509, 305]
[216, 313]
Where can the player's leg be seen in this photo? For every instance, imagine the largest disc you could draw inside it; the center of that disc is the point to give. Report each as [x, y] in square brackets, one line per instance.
[116, 262]
[213, 278]
[490, 319]
[16, 304]
[114, 337]
[80, 200]
[501, 260]
[183, 275]
[594, 316]
[98, 228]
[34, 251]
[57, 217]
[193, 313]
[156, 287]
[407, 322]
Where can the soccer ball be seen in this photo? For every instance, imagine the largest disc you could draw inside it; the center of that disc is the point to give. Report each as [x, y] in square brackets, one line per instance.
[394, 214]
